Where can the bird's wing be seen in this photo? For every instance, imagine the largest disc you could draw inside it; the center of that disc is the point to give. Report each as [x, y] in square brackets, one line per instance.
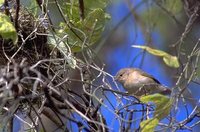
[149, 76]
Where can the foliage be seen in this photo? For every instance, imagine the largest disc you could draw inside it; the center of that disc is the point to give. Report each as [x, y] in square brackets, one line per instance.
[149, 125]
[1, 2]
[163, 106]
[84, 32]
[170, 60]
[7, 30]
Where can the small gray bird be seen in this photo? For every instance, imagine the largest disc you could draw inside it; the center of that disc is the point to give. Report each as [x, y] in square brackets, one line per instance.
[138, 82]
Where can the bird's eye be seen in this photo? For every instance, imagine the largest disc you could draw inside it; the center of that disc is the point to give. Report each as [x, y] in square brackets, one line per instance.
[121, 75]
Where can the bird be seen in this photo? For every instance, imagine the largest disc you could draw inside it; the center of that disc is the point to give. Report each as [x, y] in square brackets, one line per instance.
[139, 83]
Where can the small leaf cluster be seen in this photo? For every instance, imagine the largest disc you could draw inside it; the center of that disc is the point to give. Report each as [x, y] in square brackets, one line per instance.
[163, 105]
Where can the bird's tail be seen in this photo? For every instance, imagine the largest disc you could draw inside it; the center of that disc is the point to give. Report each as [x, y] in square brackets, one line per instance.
[165, 90]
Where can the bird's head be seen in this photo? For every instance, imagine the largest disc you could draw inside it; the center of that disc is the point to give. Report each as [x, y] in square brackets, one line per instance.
[122, 75]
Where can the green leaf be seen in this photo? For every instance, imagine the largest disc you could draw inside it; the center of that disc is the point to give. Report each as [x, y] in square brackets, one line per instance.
[1, 2]
[151, 50]
[94, 4]
[83, 32]
[71, 11]
[149, 125]
[169, 60]
[93, 25]
[87, 32]
[7, 30]
[174, 6]
[33, 7]
[63, 49]
[163, 104]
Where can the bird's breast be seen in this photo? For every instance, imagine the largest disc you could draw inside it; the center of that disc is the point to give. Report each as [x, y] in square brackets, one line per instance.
[137, 83]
